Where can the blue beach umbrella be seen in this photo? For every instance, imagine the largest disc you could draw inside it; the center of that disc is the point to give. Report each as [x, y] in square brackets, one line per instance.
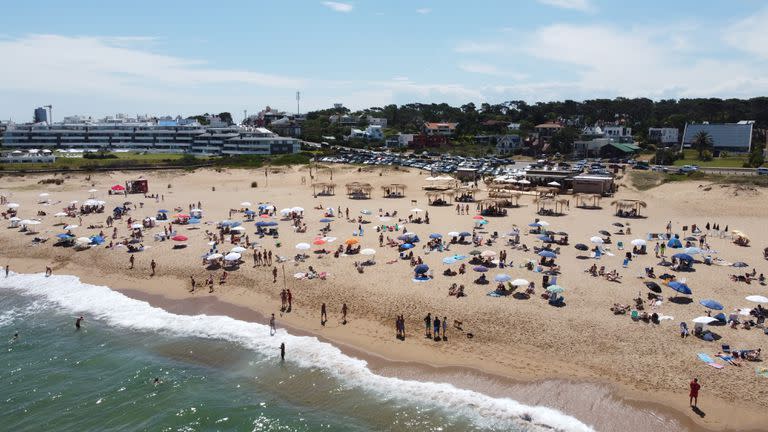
[266, 223]
[326, 220]
[435, 236]
[711, 304]
[162, 211]
[480, 269]
[545, 239]
[64, 236]
[502, 277]
[674, 243]
[547, 254]
[683, 257]
[464, 234]
[680, 287]
[406, 246]
[534, 224]
[421, 269]
[193, 221]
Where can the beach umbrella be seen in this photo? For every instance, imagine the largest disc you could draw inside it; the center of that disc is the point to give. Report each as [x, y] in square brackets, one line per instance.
[64, 236]
[326, 220]
[597, 240]
[704, 320]
[266, 223]
[70, 227]
[232, 256]
[581, 247]
[453, 234]
[319, 241]
[618, 224]
[265, 216]
[475, 252]
[118, 188]
[416, 210]
[60, 214]
[692, 250]
[238, 229]
[351, 241]
[481, 222]
[181, 216]
[179, 238]
[680, 287]
[97, 239]
[264, 206]
[757, 299]
[74, 202]
[711, 304]
[83, 240]
[653, 286]
[740, 264]
[449, 260]
[44, 194]
[30, 222]
[246, 204]
[193, 221]
[238, 249]
[368, 252]
[480, 269]
[137, 226]
[465, 234]
[365, 211]
[690, 238]
[519, 282]
[285, 211]
[435, 236]
[478, 217]
[638, 242]
[162, 211]
[488, 254]
[547, 254]
[683, 257]
[534, 224]
[502, 277]
[421, 269]
[554, 183]
[605, 233]
[12, 205]
[545, 238]
[297, 209]
[557, 289]
[406, 246]
[15, 219]
[214, 256]
[523, 181]
[303, 246]
[543, 223]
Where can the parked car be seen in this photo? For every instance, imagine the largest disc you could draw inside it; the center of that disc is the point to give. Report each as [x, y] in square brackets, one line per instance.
[687, 169]
[762, 171]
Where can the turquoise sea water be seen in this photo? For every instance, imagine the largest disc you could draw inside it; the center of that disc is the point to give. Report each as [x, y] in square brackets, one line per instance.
[216, 373]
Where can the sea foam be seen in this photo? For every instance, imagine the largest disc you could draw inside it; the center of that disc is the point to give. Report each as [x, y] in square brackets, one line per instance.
[71, 295]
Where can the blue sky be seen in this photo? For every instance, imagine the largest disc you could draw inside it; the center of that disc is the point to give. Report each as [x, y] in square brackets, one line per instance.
[98, 58]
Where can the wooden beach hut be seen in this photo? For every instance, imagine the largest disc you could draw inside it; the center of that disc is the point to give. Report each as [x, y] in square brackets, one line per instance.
[394, 190]
[357, 190]
[439, 198]
[325, 189]
[588, 201]
[550, 206]
[629, 208]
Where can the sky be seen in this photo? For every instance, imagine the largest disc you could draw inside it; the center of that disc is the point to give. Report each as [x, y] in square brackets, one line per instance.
[149, 57]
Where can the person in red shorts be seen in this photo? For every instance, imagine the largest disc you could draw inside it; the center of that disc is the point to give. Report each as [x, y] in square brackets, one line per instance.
[695, 386]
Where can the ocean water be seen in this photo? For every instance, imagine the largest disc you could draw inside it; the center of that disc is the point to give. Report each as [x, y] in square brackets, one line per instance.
[216, 373]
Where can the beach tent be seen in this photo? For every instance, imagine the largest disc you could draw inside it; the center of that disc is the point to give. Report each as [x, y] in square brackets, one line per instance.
[674, 243]
[480, 269]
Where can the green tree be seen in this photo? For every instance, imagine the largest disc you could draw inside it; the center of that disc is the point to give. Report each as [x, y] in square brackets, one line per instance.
[702, 142]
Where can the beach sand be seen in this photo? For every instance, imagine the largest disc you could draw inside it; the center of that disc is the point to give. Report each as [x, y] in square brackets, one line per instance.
[582, 343]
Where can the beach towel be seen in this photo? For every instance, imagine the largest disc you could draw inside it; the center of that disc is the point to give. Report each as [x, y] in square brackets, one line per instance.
[709, 361]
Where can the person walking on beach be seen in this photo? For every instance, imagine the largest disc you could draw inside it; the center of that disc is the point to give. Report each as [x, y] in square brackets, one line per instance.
[344, 313]
[323, 314]
[270, 257]
[437, 327]
[194, 283]
[694, 396]
[131, 260]
[7, 270]
[78, 322]
[445, 327]
[662, 248]
[153, 265]
[282, 351]
[656, 250]
[274, 275]
[272, 328]
[428, 325]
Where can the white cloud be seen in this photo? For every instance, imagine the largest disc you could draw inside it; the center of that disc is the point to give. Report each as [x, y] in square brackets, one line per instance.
[480, 68]
[423, 11]
[338, 6]
[749, 34]
[581, 5]
[478, 47]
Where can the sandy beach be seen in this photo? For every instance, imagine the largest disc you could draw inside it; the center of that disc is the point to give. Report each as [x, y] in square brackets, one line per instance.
[522, 340]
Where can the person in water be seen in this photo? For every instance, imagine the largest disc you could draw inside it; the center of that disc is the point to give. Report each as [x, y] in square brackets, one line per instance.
[78, 322]
[15, 337]
[282, 351]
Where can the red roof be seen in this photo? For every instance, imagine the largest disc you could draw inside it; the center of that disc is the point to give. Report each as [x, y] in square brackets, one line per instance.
[439, 125]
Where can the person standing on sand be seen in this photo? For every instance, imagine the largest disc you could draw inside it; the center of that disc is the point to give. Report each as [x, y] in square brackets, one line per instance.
[274, 274]
[437, 327]
[323, 314]
[694, 396]
[272, 328]
[445, 327]
[131, 260]
[428, 325]
[7, 270]
[344, 313]
[656, 250]
[662, 248]
[192, 278]
[282, 351]
[270, 257]
[152, 266]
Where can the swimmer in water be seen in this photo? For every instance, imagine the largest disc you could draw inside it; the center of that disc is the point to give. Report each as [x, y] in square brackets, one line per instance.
[157, 381]
[15, 337]
[77, 322]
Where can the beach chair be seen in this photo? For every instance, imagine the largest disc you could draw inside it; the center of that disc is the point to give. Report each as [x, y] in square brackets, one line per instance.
[620, 245]
[635, 315]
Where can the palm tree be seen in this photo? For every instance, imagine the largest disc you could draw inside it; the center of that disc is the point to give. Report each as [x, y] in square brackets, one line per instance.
[702, 142]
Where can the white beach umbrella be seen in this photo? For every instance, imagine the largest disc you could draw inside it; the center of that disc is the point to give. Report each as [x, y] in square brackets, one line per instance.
[34, 222]
[44, 194]
[232, 256]
[25, 222]
[74, 202]
[367, 252]
[488, 254]
[12, 205]
[246, 204]
[453, 234]
[554, 183]
[416, 210]
[523, 181]
[285, 211]
[71, 227]
[704, 320]
[597, 240]
[638, 242]
[137, 226]
[298, 209]
[519, 282]
[91, 202]
[303, 246]
[93, 190]
[543, 223]
[238, 249]
[757, 299]
[238, 229]
[385, 218]
[365, 211]
[213, 256]
[60, 214]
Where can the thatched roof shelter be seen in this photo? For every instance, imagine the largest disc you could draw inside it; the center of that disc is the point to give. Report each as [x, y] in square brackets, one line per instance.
[357, 190]
[628, 207]
[550, 206]
[394, 190]
[437, 198]
[465, 193]
[326, 189]
[588, 201]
